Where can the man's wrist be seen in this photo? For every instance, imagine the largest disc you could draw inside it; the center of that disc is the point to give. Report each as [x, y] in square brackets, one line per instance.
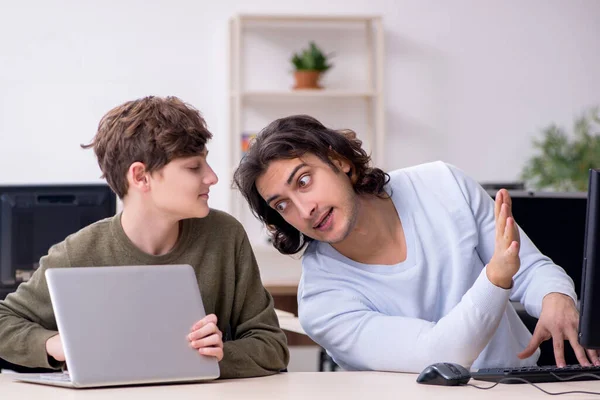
[557, 295]
[502, 281]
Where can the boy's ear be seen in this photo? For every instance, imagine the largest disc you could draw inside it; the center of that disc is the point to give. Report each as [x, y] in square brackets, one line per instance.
[137, 176]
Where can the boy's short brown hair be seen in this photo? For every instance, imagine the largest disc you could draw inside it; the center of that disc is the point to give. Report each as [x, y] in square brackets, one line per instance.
[152, 130]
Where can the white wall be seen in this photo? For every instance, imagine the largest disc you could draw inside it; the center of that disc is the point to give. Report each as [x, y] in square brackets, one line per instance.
[469, 82]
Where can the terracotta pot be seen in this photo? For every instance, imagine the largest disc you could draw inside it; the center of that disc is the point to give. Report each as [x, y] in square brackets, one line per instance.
[307, 79]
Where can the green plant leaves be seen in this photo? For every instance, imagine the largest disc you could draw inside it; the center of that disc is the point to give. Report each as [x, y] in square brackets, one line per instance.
[562, 162]
[311, 59]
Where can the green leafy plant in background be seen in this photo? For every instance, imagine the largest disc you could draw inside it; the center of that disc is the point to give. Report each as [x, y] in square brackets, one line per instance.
[563, 161]
[311, 59]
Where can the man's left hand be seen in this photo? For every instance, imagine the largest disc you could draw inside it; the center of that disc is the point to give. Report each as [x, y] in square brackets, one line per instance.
[559, 320]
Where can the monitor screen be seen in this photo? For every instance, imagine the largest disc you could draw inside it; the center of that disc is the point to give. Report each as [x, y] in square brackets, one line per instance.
[589, 323]
[33, 218]
[555, 223]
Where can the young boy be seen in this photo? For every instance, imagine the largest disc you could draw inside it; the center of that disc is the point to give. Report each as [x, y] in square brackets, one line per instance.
[152, 152]
[405, 269]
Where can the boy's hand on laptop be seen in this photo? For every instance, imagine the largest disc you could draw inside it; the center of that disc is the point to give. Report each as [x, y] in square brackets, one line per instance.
[207, 338]
[54, 348]
[505, 262]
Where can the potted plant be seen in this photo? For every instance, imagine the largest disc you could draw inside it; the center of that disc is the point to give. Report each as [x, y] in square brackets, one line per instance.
[309, 66]
[564, 160]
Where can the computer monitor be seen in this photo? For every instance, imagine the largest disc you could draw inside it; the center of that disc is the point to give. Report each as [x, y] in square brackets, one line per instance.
[35, 217]
[589, 322]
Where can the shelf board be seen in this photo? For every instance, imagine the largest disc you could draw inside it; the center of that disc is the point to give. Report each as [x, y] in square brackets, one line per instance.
[303, 93]
[306, 18]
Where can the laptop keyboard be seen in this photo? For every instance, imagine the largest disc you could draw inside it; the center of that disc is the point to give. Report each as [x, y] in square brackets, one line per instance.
[56, 377]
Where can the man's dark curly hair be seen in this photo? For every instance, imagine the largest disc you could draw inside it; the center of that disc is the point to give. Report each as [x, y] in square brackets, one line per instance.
[293, 137]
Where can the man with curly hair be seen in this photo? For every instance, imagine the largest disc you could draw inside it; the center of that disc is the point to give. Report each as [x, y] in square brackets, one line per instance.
[405, 269]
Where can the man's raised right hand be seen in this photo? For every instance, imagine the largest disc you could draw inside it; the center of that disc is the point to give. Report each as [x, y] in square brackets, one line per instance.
[505, 262]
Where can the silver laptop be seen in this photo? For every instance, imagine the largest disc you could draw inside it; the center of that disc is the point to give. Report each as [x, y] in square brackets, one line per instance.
[126, 325]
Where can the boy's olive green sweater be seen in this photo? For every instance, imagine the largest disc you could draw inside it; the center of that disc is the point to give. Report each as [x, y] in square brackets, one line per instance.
[218, 249]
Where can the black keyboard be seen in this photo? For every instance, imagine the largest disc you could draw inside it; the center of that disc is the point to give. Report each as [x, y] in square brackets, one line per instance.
[549, 373]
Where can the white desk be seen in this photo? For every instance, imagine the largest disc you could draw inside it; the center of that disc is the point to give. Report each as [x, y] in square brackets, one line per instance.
[280, 273]
[289, 322]
[298, 385]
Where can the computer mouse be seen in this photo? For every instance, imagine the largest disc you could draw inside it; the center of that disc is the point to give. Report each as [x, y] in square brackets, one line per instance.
[444, 374]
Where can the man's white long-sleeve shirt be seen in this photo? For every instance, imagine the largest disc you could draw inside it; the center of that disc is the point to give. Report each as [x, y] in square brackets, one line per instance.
[438, 305]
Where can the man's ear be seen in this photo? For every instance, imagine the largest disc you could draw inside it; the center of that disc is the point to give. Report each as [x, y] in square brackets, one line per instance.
[137, 177]
[341, 163]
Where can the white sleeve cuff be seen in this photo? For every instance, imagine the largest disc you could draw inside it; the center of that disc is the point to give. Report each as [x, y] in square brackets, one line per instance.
[489, 299]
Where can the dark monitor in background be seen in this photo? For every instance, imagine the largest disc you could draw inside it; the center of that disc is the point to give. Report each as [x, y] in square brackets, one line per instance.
[589, 323]
[35, 217]
[555, 223]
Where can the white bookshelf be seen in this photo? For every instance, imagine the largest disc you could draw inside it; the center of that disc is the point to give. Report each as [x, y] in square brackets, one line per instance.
[245, 98]
[304, 18]
[304, 93]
